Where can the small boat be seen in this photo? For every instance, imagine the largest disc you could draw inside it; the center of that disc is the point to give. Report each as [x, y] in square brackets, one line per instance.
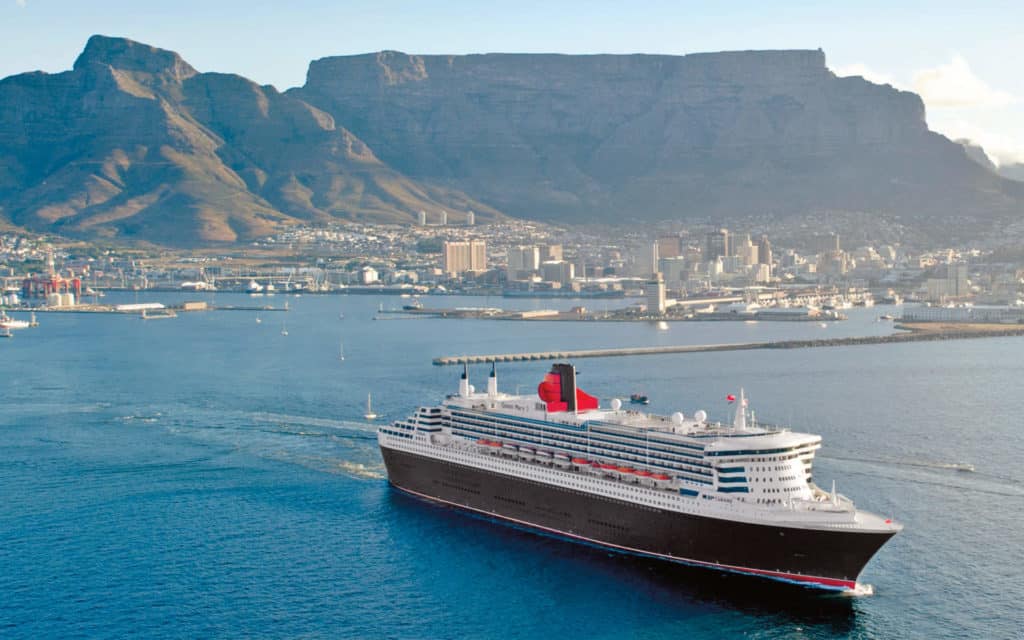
[7, 322]
[5, 333]
[32, 322]
[341, 316]
[885, 316]
[369, 415]
[284, 329]
[639, 398]
[341, 351]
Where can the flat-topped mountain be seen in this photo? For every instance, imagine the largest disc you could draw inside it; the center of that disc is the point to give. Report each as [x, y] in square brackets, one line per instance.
[613, 137]
[134, 143]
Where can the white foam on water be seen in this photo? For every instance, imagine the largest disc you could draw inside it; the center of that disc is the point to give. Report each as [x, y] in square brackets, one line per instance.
[859, 591]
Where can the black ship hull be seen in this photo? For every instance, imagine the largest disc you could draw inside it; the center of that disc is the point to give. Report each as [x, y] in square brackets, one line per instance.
[830, 559]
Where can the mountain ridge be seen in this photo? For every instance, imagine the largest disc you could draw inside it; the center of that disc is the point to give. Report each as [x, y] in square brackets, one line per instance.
[133, 143]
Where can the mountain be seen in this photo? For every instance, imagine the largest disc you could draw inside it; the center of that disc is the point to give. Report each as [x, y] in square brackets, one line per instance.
[135, 144]
[1014, 171]
[649, 137]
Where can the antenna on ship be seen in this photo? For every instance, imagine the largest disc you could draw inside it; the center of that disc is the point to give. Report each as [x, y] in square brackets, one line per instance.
[464, 382]
[740, 420]
[492, 382]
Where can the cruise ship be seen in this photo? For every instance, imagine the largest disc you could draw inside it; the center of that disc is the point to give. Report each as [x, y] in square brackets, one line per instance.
[736, 497]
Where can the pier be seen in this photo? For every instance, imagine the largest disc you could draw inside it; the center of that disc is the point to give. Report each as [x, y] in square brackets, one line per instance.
[915, 333]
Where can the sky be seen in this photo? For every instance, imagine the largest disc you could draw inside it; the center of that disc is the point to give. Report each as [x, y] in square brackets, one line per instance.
[961, 57]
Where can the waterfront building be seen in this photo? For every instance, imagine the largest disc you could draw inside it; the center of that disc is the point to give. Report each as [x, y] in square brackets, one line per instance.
[716, 245]
[654, 291]
[465, 255]
[522, 262]
[558, 271]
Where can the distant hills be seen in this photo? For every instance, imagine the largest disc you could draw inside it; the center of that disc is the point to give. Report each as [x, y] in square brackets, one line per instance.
[133, 143]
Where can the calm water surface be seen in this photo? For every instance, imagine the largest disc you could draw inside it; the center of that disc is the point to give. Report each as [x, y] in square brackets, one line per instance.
[207, 476]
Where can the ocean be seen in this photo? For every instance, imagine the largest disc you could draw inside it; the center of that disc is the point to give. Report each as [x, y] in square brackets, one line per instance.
[206, 476]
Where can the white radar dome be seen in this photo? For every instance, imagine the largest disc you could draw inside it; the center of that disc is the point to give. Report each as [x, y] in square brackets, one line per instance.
[700, 416]
[677, 418]
[472, 389]
[616, 404]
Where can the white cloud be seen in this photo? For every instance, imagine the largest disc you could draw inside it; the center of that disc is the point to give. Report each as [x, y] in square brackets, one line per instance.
[21, 3]
[1002, 148]
[862, 70]
[955, 85]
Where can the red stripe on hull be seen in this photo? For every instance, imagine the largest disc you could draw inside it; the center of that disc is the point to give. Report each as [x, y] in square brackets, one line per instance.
[814, 581]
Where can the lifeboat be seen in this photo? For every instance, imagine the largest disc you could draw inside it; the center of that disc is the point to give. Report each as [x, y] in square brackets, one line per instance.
[562, 460]
[643, 473]
[660, 479]
[509, 449]
[526, 453]
[543, 457]
[580, 461]
[609, 470]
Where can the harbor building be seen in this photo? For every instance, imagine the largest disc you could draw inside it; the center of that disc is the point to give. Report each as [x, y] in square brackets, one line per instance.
[465, 255]
[654, 291]
[522, 262]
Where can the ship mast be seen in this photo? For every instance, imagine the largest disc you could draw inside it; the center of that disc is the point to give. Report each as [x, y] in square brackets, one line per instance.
[740, 420]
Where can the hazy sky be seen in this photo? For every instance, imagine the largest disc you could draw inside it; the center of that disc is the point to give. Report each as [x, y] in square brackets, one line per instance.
[960, 56]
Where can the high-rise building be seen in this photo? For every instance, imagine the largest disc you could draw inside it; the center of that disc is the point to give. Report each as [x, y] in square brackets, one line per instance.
[522, 261]
[764, 251]
[465, 255]
[669, 246]
[956, 280]
[444, 218]
[558, 271]
[675, 270]
[824, 243]
[550, 252]
[470, 218]
[716, 245]
[422, 219]
[654, 291]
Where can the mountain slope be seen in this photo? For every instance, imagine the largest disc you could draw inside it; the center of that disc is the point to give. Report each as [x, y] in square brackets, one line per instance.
[654, 137]
[134, 143]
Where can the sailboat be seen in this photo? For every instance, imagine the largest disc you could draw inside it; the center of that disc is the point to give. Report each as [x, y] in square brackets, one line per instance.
[284, 329]
[341, 351]
[369, 415]
[258, 320]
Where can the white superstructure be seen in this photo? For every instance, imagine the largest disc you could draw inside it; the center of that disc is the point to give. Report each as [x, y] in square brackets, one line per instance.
[740, 471]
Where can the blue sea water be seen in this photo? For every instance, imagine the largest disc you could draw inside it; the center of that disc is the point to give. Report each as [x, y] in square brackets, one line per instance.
[208, 477]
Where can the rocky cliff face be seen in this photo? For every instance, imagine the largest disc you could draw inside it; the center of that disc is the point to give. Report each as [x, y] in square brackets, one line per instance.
[653, 137]
[134, 143]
